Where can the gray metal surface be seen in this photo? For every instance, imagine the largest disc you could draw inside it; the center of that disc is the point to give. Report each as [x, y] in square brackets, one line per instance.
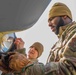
[20, 14]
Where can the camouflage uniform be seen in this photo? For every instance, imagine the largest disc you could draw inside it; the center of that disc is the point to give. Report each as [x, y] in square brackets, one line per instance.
[62, 57]
[36, 68]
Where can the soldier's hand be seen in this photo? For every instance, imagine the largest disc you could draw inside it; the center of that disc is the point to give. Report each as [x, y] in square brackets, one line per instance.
[19, 43]
[17, 61]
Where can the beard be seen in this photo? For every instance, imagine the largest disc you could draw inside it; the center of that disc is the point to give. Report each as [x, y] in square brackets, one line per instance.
[60, 23]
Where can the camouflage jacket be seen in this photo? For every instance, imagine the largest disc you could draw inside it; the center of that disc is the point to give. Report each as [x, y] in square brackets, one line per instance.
[62, 57]
[36, 68]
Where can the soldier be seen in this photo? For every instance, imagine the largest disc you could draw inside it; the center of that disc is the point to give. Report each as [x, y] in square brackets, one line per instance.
[35, 51]
[62, 57]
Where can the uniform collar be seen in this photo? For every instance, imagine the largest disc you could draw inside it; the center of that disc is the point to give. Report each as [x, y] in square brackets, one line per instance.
[34, 60]
[63, 28]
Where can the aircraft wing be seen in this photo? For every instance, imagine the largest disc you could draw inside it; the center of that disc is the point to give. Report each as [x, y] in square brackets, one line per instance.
[17, 15]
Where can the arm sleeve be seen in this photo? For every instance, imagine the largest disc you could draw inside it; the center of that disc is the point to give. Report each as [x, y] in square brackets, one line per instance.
[23, 51]
[35, 69]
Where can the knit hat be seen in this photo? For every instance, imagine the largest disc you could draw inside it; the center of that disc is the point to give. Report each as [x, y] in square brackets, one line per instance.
[59, 9]
[39, 47]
